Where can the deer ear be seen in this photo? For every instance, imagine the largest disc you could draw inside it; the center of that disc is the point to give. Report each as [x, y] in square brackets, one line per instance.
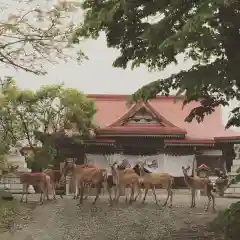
[183, 168]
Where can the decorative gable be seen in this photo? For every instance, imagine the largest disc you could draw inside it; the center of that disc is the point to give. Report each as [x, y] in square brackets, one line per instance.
[142, 114]
[143, 119]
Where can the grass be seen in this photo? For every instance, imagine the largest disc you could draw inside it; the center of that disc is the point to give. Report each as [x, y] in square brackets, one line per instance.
[8, 211]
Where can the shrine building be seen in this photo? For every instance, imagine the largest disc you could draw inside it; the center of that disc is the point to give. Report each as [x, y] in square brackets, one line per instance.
[156, 130]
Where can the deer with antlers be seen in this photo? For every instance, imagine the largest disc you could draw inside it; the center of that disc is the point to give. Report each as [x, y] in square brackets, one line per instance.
[197, 183]
[151, 180]
[42, 180]
[124, 177]
[87, 175]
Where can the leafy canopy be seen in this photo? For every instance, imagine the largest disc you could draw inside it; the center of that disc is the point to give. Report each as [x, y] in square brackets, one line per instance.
[25, 114]
[154, 33]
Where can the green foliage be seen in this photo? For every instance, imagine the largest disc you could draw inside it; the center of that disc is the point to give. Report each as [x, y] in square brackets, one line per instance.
[39, 116]
[154, 33]
[228, 222]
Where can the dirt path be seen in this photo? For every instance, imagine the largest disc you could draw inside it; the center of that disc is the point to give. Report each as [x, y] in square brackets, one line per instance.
[63, 220]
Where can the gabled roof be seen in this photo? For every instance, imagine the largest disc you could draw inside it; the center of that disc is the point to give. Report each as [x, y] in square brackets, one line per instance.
[112, 108]
[156, 124]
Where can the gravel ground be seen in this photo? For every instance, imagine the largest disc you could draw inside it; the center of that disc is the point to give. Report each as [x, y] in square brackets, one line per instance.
[63, 220]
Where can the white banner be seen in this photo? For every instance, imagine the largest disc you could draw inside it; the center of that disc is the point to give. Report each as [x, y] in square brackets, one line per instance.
[173, 164]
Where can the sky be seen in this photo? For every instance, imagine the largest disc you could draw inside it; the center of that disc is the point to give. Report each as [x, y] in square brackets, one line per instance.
[96, 75]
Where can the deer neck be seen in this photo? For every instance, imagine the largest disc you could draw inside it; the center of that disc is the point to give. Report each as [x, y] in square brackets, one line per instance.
[188, 180]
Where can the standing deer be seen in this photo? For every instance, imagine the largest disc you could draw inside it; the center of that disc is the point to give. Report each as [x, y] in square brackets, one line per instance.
[151, 180]
[55, 176]
[124, 177]
[197, 183]
[42, 180]
[82, 176]
[75, 169]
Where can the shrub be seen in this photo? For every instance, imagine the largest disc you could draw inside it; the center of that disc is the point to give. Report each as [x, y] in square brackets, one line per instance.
[228, 221]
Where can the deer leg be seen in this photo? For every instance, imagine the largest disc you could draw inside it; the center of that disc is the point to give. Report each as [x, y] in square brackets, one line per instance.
[154, 194]
[126, 195]
[208, 203]
[139, 191]
[98, 188]
[193, 198]
[132, 195]
[115, 193]
[81, 193]
[42, 192]
[88, 192]
[76, 192]
[46, 193]
[145, 194]
[26, 193]
[168, 195]
[23, 191]
[54, 191]
[109, 193]
[171, 196]
[118, 193]
[213, 202]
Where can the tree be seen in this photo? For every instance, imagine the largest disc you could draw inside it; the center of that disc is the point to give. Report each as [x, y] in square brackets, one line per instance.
[154, 33]
[35, 34]
[27, 115]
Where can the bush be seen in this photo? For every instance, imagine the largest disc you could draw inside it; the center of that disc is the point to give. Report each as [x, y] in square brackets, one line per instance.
[228, 222]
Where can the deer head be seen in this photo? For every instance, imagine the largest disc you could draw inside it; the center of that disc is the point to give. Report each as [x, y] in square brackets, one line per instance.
[185, 170]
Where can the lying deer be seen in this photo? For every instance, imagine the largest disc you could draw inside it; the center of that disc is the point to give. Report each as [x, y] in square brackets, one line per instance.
[42, 180]
[55, 176]
[125, 177]
[82, 176]
[151, 180]
[197, 183]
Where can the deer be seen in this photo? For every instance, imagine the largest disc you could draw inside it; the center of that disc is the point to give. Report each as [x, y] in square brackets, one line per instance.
[87, 175]
[55, 176]
[88, 185]
[40, 179]
[197, 183]
[151, 180]
[124, 177]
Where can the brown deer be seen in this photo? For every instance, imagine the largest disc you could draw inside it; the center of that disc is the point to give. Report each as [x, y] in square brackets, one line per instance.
[197, 183]
[87, 175]
[151, 180]
[55, 176]
[124, 177]
[42, 180]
